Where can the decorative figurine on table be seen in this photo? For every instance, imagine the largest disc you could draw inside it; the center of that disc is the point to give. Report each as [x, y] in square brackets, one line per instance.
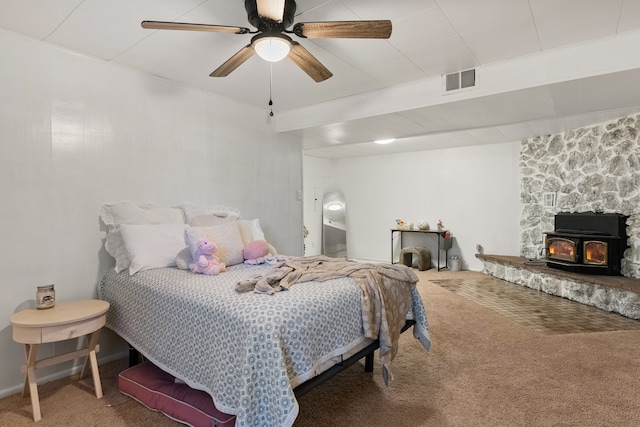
[403, 225]
[440, 225]
[422, 225]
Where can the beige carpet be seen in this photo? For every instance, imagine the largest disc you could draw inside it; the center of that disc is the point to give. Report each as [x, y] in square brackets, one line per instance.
[484, 370]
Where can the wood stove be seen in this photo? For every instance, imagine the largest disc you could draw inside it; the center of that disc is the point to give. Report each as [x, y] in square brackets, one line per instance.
[587, 243]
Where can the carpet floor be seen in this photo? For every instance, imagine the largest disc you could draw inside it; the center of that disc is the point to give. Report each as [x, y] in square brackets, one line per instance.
[485, 368]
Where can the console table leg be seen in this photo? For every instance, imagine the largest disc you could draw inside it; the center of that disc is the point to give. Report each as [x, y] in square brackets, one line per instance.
[391, 247]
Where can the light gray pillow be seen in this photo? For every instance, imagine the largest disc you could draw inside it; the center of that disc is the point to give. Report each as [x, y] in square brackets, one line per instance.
[183, 259]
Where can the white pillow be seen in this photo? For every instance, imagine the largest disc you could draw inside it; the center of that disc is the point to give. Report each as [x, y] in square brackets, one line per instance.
[226, 237]
[115, 247]
[113, 215]
[191, 211]
[128, 213]
[212, 219]
[250, 230]
[152, 245]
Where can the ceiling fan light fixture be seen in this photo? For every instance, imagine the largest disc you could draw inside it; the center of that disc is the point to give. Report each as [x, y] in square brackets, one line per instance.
[272, 48]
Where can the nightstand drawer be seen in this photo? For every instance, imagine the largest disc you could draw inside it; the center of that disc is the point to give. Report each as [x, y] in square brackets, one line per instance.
[72, 330]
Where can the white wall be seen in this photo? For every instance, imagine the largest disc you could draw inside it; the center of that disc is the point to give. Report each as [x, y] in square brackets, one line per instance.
[475, 191]
[76, 132]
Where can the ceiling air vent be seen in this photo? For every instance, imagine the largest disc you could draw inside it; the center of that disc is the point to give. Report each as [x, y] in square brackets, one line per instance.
[460, 80]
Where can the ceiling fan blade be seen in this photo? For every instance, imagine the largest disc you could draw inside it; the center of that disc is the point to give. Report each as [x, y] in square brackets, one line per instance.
[309, 64]
[344, 29]
[161, 25]
[234, 62]
[272, 9]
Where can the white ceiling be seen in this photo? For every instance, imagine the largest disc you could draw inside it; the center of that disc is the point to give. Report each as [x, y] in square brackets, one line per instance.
[542, 65]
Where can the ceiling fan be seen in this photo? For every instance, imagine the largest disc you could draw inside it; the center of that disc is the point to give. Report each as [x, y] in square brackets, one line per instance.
[271, 42]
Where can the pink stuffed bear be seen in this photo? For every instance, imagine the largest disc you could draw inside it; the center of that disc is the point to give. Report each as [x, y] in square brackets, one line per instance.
[256, 252]
[207, 262]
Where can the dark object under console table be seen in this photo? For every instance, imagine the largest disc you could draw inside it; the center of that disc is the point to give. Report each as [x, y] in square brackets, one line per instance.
[444, 244]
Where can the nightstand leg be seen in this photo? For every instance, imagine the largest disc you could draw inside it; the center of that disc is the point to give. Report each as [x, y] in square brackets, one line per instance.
[92, 359]
[30, 385]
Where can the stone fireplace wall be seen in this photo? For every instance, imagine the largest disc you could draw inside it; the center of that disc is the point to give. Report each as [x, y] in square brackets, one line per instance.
[595, 168]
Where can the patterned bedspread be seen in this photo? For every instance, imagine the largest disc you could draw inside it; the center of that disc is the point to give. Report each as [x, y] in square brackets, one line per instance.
[247, 350]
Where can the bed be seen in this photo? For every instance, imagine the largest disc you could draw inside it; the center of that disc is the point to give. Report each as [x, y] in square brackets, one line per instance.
[250, 350]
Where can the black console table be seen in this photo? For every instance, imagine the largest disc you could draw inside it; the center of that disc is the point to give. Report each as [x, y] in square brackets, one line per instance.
[443, 244]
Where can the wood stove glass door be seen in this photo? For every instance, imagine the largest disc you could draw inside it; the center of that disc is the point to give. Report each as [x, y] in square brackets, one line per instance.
[595, 252]
[561, 249]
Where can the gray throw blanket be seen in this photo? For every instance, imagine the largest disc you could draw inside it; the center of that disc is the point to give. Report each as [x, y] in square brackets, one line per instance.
[386, 293]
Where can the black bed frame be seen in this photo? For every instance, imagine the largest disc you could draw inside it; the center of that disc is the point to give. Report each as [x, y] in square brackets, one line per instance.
[135, 357]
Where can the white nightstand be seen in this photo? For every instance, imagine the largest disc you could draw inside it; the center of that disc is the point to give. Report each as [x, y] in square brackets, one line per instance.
[64, 321]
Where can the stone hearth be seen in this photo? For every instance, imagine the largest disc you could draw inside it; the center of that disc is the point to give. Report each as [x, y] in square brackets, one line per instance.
[617, 294]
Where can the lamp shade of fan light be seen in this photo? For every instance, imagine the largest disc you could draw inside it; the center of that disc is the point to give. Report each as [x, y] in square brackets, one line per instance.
[272, 49]
[334, 206]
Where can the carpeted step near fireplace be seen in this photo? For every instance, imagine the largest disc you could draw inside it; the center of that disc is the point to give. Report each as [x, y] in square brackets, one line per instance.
[587, 243]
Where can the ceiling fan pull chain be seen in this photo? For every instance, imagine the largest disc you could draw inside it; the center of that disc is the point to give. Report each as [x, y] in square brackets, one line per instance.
[270, 91]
